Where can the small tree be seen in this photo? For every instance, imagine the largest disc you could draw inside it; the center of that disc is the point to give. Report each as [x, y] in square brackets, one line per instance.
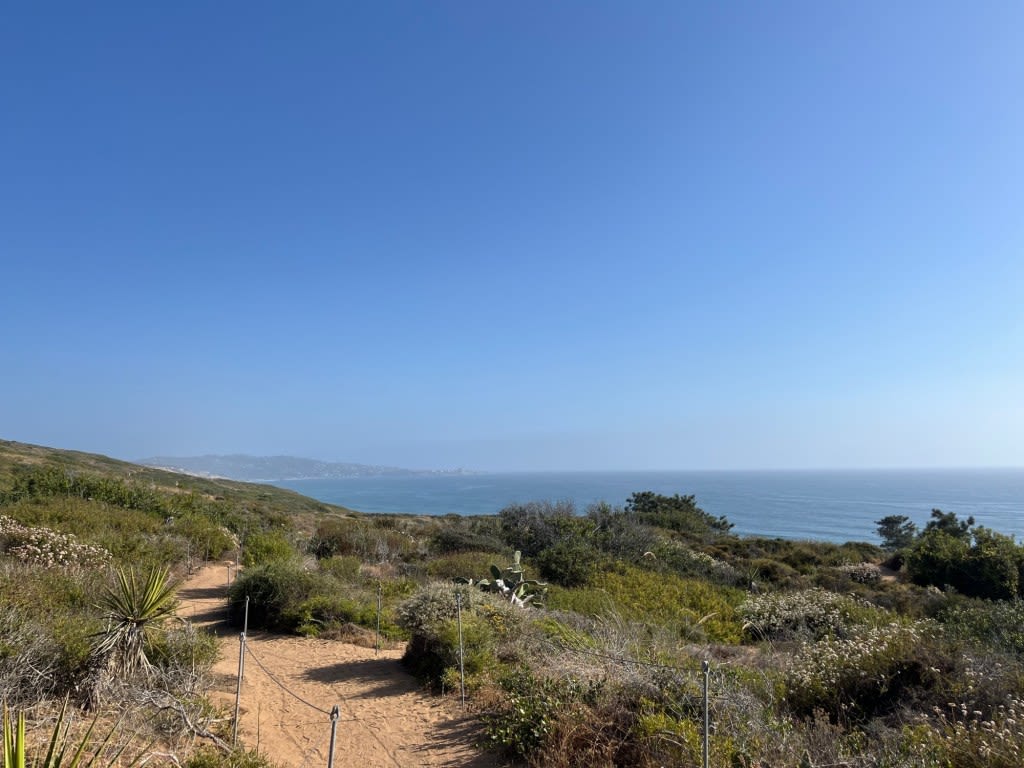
[896, 531]
[676, 513]
[950, 524]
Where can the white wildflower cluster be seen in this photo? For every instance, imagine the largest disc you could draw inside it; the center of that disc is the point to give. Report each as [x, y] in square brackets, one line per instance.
[808, 612]
[998, 738]
[863, 573]
[46, 547]
[829, 664]
[702, 562]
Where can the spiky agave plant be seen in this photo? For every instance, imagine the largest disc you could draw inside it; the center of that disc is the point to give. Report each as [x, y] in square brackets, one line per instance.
[60, 753]
[134, 609]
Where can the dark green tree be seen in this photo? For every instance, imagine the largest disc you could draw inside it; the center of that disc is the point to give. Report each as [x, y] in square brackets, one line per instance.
[950, 524]
[896, 531]
[975, 561]
[675, 513]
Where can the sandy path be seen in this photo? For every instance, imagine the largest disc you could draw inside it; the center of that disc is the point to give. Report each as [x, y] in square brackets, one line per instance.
[385, 719]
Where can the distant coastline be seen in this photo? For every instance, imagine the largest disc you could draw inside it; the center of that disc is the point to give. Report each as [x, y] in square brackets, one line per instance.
[275, 469]
[814, 504]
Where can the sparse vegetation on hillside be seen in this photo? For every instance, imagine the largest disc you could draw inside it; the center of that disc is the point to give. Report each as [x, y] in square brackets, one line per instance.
[820, 655]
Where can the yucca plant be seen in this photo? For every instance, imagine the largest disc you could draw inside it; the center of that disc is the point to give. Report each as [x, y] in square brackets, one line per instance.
[134, 609]
[60, 753]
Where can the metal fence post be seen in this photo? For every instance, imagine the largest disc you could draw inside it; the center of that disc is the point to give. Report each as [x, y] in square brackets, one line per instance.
[707, 719]
[335, 714]
[380, 599]
[241, 671]
[238, 689]
[462, 652]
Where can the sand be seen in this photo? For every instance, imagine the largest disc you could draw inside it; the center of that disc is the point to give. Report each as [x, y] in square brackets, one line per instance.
[385, 717]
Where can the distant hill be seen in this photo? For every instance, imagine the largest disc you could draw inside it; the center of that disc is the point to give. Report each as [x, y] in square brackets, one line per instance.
[15, 457]
[267, 468]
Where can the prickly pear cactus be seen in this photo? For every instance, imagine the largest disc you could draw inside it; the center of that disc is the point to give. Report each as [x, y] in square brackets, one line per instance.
[511, 583]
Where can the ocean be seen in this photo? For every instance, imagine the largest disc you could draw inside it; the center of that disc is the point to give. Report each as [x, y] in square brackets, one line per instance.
[826, 505]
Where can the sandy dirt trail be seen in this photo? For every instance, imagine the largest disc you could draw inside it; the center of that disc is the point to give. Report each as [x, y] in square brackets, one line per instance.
[386, 719]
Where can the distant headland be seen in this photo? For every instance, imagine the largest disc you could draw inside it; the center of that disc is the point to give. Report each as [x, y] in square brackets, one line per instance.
[269, 468]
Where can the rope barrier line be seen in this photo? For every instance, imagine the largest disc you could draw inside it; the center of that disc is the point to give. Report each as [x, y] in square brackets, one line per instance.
[281, 685]
[365, 722]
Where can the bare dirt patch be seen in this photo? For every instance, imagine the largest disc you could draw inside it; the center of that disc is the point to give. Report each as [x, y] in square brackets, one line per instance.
[291, 684]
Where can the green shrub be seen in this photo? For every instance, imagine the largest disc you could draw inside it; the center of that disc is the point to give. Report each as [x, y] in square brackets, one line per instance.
[183, 651]
[209, 757]
[676, 557]
[809, 614]
[47, 619]
[997, 625]
[325, 610]
[206, 538]
[469, 565]
[774, 572]
[454, 538]
[975, 561]
[873, 672]
[529, 716]
[338, 537]
[694, 608]
[533, 527]
[373, 541]
[268, 547]
[430, 617]
[275, 590]
[675, 513]
[342, 567]
[572, 563]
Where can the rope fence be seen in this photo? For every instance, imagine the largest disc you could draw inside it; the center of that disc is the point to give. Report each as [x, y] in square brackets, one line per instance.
[704, 676]
[334, 714]
[282, 686]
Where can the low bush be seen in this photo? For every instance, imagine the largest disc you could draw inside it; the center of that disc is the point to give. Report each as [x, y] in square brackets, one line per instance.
[572, 563]
[467, 565]
[342, 567]
[695, 609]
[971, 738]
[275, 591]
[47, 618]
[371, 541]
[537, 525]
[992, 624]
[533, 712]
[322, 612]
[209, 757]
[267, 547]
[874, 672]
[48, 548]
[807, 614]
[182, 656]
[677, 558]
[773, 572]
[206, 539]
[455, 538]
[430, 616]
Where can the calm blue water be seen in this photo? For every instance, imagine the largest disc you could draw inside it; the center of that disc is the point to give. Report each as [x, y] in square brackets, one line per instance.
[835, 506]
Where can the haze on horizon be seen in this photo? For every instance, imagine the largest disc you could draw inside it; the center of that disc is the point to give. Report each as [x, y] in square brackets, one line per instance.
[582, 236]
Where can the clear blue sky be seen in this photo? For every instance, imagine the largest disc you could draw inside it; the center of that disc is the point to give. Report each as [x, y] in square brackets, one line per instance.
[577, 235]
